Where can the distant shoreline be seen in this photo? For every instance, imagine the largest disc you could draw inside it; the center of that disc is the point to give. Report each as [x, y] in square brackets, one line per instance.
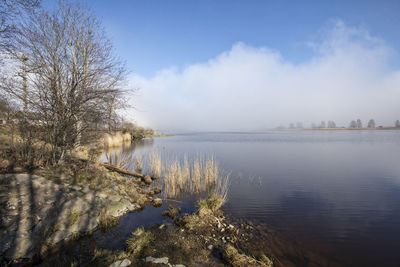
[333, 129]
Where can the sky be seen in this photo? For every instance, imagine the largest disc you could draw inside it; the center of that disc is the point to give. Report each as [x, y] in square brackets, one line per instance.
[249, 65]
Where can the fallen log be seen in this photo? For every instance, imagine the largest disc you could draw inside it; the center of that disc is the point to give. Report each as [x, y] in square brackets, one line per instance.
[123, 171]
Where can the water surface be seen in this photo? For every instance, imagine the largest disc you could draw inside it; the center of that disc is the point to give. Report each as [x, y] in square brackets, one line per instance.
[334, 192]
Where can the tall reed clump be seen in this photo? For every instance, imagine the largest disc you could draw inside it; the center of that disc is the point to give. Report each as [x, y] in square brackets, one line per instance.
[155, 164]
[202, 177]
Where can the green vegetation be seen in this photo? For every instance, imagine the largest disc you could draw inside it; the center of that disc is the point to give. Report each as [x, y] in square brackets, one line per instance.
[73, 217]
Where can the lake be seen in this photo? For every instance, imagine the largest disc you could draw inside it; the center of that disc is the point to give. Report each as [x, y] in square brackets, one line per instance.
[335, 193]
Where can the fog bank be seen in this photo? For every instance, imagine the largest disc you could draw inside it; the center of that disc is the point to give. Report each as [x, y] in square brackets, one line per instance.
[349, 76]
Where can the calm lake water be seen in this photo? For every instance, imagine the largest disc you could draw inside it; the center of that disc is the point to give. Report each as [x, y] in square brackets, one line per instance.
[334, 192]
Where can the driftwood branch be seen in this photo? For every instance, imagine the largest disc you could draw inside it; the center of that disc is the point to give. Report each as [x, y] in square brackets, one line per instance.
[123, 171]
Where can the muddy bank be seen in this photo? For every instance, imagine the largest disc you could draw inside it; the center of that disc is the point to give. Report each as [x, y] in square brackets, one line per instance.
[205, 238]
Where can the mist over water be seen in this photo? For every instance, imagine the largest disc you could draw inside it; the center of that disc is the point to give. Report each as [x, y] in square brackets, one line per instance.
[351, 75]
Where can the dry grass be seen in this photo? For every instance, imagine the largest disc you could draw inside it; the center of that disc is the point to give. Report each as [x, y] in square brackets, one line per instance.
[106, 221]
[139, 240]
[185, 173]
[202, 177]
[236, 259]
[116, 139]
[196, 175]
[171, 212]
[171, 178]
[155, 164]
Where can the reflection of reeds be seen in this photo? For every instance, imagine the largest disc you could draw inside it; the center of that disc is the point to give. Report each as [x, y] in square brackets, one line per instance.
[155, 164]
[185, 173]
[139, 164]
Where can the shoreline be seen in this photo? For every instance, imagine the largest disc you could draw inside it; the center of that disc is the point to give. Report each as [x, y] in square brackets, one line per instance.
[334, 129]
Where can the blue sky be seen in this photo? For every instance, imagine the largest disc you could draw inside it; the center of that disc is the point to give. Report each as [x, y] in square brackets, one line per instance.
[155, 34]
[245, 65]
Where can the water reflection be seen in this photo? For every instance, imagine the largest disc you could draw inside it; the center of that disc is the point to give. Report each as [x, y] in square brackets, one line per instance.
[335, 192]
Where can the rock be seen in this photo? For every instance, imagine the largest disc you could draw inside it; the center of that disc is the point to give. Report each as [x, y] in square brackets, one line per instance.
[115, 198]
[161, 226]
[147, 179]
[118, 208]
[76, 187]
[10, 206]
[6, 221]
[178, 265]
[21, 247]
[157, 202]
[210, 247]
[86, 189]
[132, 207]
[163, 260]
[157, 191]
[6, 242]
[122, 263]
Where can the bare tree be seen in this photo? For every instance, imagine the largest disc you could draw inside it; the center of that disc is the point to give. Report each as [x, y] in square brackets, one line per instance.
[331, 124]
[359, 124]
[371, 123]
[71, 71]
[299, 125]
[10, 13]
[397, 123]
[353, 124]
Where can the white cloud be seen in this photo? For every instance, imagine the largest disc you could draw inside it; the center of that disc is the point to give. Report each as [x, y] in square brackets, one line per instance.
[247, 88]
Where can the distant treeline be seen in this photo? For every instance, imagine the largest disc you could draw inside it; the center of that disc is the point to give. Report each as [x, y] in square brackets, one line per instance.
[331, 124]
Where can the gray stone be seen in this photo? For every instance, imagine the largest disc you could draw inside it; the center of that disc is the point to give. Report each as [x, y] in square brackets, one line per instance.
[163, 260]
[122, 263]
[147, 179]
[114, 198]
[210, 247]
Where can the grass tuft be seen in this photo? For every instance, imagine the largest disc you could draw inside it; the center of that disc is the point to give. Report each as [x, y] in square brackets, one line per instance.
[106, 220]
[139, 240]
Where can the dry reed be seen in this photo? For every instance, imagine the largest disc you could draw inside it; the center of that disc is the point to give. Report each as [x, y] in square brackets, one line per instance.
[139, 163]
[155, 164]
[202, 177]
[116, 139]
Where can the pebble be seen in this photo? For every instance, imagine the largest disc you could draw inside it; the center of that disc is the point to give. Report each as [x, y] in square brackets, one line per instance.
[122, 263]
[210, 247]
